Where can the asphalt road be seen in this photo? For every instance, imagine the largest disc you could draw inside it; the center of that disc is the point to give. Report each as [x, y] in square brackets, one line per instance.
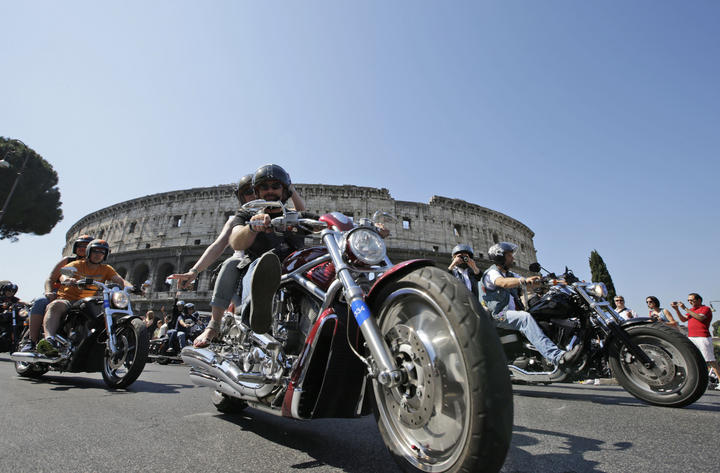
[70, 422]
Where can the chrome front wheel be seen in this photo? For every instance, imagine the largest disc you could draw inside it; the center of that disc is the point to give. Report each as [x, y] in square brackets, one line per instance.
[122, 369]
[454, 409]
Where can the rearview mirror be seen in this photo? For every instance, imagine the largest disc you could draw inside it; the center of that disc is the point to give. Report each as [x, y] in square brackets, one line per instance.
[535, 267]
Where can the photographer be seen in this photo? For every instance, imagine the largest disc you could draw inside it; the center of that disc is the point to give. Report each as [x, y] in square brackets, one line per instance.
[464, 268]
[698, 317]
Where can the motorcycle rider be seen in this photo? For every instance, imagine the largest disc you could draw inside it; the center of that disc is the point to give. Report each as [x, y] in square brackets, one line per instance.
[463, 267]
[501, 296]
[91, 267]
[177, 314]
[7, 294]
[263, 247]
[226, 284]
[52, 283]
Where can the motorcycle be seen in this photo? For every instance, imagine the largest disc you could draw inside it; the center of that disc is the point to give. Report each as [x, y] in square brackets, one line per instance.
[411, 345]
[653, 362]
[99, 333]
[12, 321]
[159, 346]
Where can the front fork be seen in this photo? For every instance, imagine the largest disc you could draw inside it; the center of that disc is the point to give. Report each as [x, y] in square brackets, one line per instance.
[384, 368]
[112, 345]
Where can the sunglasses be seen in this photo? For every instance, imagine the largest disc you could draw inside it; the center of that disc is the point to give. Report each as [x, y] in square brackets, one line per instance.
[619, 300]
[248, 191]
[274, 186]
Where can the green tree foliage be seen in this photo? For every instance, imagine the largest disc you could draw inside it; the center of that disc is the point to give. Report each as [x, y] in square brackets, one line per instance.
[35, 205]
[600, 273]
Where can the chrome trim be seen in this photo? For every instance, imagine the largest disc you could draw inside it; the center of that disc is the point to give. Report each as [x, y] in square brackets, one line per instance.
[602, 308]
[230, 379]
[538, 376]
[30, 357]
[330, 295]
[309, 286]
[387, 374]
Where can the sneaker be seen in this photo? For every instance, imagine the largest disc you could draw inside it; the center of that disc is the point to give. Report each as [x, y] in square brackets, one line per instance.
[265, 282]
[48, 347]
[28, 346]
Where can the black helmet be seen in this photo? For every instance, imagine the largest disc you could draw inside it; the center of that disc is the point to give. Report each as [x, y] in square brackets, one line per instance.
[463, 248]
[272, 172]
[80, 240]
[98, 244]
[496, 253]
[7, 286]
[244, 185]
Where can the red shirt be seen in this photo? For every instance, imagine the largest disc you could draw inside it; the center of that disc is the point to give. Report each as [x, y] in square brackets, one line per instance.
[697, 328]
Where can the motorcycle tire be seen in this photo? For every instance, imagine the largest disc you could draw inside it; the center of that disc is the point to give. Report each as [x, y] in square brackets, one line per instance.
[454, 412]
[227, 404]
[132, 343]
[679, 375]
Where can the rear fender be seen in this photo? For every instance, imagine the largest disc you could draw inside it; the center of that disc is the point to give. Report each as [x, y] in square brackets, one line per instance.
[392, 275]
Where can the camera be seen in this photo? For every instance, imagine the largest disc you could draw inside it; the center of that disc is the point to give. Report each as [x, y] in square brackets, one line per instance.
[465, 258]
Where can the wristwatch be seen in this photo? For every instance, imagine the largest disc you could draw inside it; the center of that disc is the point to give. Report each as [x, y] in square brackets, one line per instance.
[193, 270]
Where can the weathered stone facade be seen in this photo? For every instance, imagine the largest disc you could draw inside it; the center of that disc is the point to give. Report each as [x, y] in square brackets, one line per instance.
[154, 236]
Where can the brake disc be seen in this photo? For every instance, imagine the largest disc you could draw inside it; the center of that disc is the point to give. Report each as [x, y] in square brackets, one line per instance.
[413, 400]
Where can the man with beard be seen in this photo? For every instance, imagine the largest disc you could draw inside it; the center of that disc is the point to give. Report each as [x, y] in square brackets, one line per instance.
[463, 267]
[226, 284]
[264, 249]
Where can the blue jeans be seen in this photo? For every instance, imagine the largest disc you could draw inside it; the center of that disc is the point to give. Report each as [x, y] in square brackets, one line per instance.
[525, 323]
[226, 284]
[181, 337]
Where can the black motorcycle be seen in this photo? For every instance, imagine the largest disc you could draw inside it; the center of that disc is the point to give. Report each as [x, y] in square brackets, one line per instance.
[12, 321]
[653, 362]
[98, 333]
[161, 351]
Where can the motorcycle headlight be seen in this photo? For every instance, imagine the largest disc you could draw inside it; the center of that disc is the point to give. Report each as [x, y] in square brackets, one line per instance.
[120, 300]
[365, 245]
[598, 290]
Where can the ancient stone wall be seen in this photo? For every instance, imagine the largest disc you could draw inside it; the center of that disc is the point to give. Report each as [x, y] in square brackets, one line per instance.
[157, 235]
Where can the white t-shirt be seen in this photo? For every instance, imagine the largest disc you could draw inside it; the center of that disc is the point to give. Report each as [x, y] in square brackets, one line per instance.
[489, 279]
[626, 313]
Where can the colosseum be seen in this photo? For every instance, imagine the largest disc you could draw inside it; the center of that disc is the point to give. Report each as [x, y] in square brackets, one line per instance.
[157, 235]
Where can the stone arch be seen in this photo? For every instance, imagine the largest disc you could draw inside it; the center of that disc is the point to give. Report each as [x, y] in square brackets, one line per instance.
[140, 274]
[122, 271]
[165, 270]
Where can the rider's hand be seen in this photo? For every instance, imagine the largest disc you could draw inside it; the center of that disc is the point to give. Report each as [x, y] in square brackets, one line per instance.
[261, 222]
[184, 279]
[69, 281]
[533, 280]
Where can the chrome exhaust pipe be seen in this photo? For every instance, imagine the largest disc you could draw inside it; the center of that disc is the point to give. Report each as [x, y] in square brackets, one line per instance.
[30, 357]
[553, 376]
[210, 369]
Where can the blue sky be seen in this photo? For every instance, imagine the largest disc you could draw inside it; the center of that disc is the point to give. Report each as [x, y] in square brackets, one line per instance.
[594, 123]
